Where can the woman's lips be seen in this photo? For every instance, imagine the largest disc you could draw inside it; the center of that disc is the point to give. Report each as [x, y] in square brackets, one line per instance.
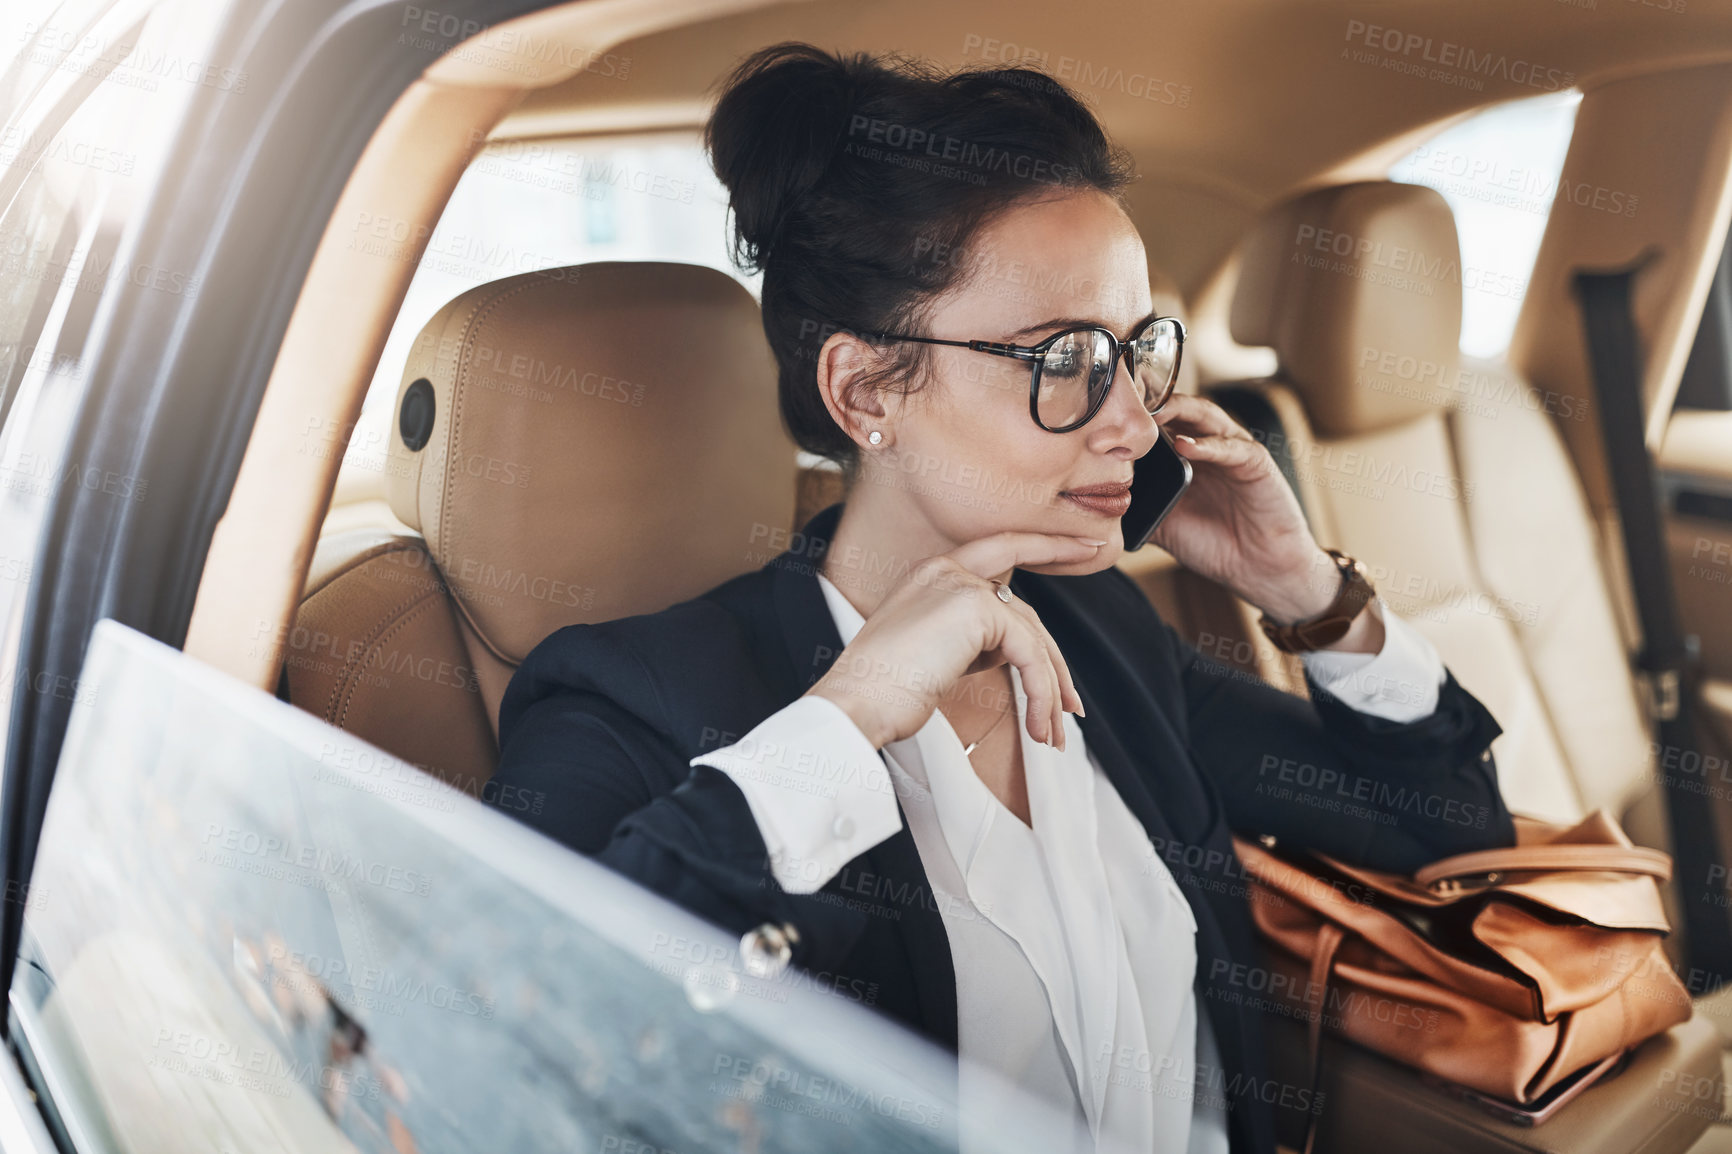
[1106, 501]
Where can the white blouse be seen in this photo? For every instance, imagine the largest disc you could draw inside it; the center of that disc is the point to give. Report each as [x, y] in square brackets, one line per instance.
[1074, 948]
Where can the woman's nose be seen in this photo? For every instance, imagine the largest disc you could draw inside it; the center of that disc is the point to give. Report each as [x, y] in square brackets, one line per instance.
[1124, 415]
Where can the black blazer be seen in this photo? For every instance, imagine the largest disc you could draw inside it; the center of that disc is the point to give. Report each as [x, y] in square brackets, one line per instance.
[600, 722]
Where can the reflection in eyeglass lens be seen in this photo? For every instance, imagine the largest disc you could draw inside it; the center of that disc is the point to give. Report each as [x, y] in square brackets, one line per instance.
[1079, 366]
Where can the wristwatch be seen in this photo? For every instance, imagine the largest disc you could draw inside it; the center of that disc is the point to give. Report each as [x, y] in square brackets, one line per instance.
[1334, 622]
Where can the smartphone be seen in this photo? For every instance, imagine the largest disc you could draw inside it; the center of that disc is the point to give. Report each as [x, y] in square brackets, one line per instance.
[1159, 480]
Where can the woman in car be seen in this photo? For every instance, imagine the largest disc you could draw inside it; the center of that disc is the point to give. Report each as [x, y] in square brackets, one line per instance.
[942, 748]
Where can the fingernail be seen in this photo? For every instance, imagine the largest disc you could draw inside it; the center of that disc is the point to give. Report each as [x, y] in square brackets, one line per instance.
[1185, 437]
[1090, 541]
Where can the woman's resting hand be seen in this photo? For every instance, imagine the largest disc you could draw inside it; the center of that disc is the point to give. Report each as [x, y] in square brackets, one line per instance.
[943, 621]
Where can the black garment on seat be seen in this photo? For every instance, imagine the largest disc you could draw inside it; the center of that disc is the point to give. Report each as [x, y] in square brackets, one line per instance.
[602, 720]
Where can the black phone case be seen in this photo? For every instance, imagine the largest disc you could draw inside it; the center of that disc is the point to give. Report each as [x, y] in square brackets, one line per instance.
[1160, 479]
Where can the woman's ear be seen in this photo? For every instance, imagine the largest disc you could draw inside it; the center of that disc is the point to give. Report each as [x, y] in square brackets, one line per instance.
[846, 365]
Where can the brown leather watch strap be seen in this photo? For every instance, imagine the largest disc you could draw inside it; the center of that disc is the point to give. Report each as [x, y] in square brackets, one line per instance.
[1333, 623]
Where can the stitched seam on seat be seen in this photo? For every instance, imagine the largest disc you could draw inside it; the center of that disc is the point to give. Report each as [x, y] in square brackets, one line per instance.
[340, 692]
[459, 390]
[464, 327]
[460, 382]
[395, 545]
[399, 608]
[475, 628]
[412, 613]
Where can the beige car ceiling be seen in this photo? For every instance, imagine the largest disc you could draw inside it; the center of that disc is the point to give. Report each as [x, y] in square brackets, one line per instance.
[1229, 105]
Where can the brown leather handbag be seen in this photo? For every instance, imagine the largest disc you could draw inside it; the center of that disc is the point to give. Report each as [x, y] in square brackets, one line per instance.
[1505, 970]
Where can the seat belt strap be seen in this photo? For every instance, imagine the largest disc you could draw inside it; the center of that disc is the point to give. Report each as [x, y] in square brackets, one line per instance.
[1665, 655]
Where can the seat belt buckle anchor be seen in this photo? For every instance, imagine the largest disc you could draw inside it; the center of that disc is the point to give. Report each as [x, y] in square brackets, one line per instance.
[1662, 686]
[1664, 679]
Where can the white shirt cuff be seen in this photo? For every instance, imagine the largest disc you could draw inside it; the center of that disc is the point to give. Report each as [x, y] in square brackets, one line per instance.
[819, 791]
[1399, 682]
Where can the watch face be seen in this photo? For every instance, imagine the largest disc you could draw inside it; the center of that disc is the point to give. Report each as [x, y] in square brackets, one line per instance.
[1353, 568]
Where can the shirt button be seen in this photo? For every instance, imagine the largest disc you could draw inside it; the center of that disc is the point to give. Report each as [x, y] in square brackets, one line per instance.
[843, 827]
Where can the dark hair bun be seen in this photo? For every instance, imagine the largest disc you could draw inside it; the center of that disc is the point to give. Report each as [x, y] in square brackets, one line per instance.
[776, 129]
[853, 181]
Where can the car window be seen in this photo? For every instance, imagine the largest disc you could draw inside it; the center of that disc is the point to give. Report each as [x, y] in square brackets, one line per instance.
[1500, 171]
[249, 930]
[74, 161]
[533, 204]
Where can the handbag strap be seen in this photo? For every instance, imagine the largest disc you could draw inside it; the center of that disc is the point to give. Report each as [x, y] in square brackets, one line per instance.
[1329, 939]
[1549, 859]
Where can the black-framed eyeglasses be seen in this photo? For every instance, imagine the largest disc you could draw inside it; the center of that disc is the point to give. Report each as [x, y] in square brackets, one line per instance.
[1072, 371]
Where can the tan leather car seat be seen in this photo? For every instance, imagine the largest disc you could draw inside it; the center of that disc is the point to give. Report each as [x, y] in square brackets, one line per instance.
[1448, 476]
[569, 446]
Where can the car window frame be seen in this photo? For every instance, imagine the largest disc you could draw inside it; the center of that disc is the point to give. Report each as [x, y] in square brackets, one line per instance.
[173, 385]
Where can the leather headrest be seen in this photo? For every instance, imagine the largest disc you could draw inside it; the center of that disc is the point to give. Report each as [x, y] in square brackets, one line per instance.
[591, 442]
[1358, 290]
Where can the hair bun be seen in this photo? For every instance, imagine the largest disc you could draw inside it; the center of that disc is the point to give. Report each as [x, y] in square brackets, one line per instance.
[781, 120]
[853, 240]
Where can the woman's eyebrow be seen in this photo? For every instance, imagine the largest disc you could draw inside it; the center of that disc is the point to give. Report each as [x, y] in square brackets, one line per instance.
[1058, 323]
